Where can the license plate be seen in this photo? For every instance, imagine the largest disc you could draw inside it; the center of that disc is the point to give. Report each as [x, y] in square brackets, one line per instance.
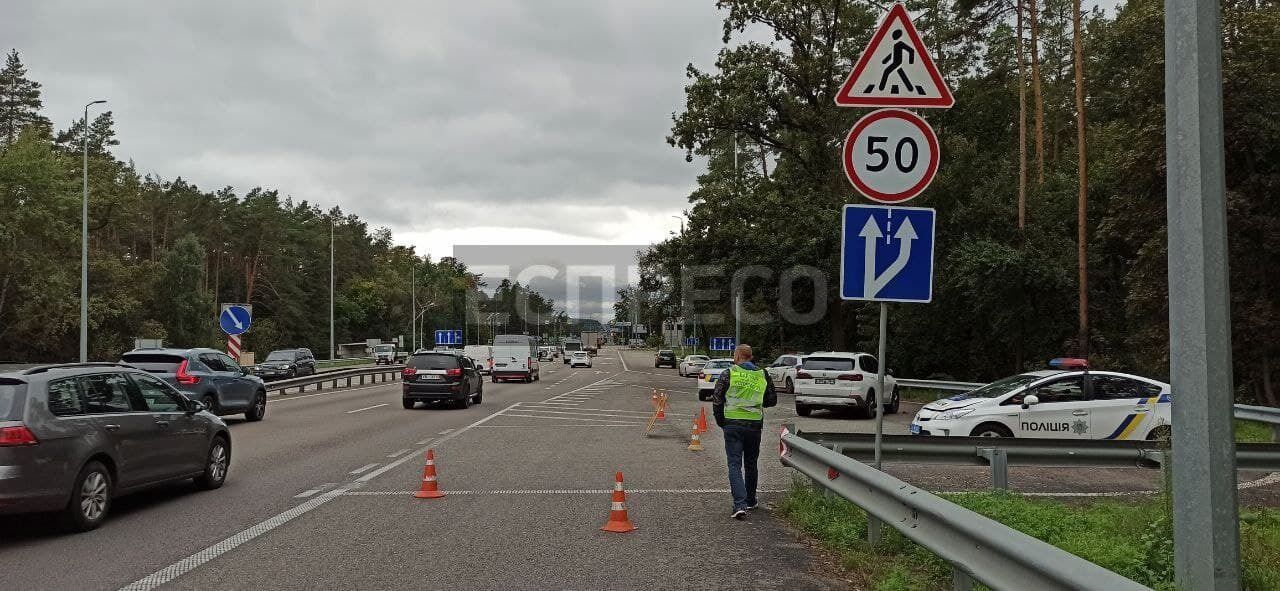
[502, 365]
[915, 429]
[824, 380]
[429, 377]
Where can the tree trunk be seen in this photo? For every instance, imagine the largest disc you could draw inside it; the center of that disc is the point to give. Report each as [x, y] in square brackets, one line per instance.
[1022, 123]
[1036, 98]
[1081, 181]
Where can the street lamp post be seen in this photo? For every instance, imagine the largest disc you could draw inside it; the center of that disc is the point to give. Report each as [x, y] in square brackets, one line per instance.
[84, 245]
[332, 348]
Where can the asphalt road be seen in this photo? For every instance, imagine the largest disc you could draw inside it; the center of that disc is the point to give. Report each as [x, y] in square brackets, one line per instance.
[319, 496]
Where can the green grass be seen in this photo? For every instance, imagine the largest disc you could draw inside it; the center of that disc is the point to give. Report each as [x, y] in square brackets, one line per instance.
[1132, 538]
[1251, 432]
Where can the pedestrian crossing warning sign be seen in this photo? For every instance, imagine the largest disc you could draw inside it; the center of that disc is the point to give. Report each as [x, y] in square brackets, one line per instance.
[895, 70]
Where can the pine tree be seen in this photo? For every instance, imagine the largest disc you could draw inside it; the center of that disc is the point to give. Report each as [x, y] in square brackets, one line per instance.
[19, 100]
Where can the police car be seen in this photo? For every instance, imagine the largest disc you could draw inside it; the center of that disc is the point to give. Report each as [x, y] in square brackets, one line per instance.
[1066, 402]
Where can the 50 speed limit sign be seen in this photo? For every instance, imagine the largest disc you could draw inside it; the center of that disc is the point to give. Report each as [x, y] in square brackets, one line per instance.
[891, 155]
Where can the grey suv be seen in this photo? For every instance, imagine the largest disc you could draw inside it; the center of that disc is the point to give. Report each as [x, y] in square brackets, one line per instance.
[286, 363]
[207, 375]
[73, 437]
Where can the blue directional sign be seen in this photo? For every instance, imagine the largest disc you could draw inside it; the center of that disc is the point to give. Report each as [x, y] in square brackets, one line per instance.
[691, 341]
[448, 337]
[886, 254]
[234, 319]
[722, 343]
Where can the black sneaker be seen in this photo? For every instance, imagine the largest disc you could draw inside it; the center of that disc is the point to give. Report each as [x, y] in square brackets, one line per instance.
[740, 514]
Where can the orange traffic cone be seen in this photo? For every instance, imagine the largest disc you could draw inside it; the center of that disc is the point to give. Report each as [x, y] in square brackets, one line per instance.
[702, 420]
[662, 407]
[695, 442]
[618, 520]
[430, 488]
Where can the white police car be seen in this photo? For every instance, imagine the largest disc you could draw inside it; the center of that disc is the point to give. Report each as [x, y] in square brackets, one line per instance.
[1068, 402]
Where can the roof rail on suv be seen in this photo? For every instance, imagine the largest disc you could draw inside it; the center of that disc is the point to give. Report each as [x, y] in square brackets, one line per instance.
[45, 368]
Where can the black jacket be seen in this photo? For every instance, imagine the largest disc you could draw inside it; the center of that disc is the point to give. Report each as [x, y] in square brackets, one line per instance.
[722, 386]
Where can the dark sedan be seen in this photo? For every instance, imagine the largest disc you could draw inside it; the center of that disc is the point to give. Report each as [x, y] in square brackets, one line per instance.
[207, 375]
[286, 363]
[439, 376]
[74, 437]
[665, 357]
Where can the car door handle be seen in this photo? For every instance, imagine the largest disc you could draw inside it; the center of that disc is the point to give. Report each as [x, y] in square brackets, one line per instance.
[111, 427]
[162, 424]
[1079, 413]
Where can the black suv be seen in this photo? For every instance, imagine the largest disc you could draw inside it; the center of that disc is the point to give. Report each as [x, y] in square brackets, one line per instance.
[665, 357]
[286, 363]
[74, 437]
[434, 376]
[207, 375]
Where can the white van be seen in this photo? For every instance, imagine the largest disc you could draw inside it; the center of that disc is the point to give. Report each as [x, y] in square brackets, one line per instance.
[481, 355]
[515, 356]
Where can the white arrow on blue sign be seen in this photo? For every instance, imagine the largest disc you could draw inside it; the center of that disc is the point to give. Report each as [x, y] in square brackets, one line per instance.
[886, 253]
[722, 343]
[448, 337]
[234, 319]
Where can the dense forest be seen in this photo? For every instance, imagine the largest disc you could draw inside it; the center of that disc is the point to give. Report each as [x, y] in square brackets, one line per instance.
[1018, 278]
[164, 253]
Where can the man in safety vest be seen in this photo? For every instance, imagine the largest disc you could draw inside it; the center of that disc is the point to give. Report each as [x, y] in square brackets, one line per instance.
[742, 393]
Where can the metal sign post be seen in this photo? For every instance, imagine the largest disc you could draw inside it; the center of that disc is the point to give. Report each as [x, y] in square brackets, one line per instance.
[1206, 527]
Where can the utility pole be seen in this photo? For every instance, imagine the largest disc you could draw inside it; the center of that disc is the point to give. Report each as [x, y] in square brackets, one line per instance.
[1206, 521]
[84, 245]
[413, 305]
[332, 347]
[737, 319]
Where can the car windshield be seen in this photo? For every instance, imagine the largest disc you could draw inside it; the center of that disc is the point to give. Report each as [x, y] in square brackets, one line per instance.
[1004, 386]
[153, 362]
[385, 348]
[8, 393]
[433, 362]
[282, 356]
[579, 354]
[696, 358]
[829, 363]
[719, 364]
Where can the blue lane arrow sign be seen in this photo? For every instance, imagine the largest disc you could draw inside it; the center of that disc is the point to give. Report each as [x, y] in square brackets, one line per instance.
[235, 319]
[448, 337]
[886, 254]
[722, 343]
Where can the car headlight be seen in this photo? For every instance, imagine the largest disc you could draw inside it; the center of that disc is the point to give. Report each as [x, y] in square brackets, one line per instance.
[953, 414]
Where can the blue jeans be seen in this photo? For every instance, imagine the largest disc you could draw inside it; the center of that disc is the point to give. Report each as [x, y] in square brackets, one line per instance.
[742, 446]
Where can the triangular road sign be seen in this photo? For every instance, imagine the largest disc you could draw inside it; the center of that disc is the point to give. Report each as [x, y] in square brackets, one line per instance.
[895, 70]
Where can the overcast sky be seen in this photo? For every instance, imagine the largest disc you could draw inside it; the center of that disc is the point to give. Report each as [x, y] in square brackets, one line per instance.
[450, 122]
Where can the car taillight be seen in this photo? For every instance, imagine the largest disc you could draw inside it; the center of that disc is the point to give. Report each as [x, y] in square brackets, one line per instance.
[850, 377]
[453, 372]
[800, 375]
[409, 372]
[529, 362]
[184, 376]
[16, 436]
[702, 375]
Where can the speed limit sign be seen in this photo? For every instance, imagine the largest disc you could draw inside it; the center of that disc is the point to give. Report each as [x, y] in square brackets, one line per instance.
[891, 155]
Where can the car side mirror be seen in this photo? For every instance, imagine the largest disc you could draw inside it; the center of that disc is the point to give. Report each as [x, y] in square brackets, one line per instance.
[1030, 400]
[195, 406]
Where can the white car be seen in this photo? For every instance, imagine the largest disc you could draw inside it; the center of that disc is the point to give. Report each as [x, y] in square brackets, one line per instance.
[834, 380]
[481, 356]
[1068, 402]
[579, 359]
[707, 376]
[782, 372]
[691, 365]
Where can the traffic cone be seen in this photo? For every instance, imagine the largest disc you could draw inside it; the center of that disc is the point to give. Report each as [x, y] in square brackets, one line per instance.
[662, 407]
[695, 442]
[702, 420]
[618, 520]
[430, 488]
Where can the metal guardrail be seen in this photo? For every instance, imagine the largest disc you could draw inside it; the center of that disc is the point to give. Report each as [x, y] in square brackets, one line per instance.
[1000, 453]
[977, 547]
[354, 376]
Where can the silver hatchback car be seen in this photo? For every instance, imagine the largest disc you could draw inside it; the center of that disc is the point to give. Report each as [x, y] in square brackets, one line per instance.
[73, 437]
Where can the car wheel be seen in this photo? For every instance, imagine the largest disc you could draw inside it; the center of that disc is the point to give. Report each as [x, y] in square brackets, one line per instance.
[259, 408]
[870, 411]
[408, 404]
[293, 373]
[479, 388]
[803, 410]
[991, 430]
[90, 498]
[894, 403]
[1160, 433]
[465, 403]
[215, 466]
[791, 386]
[210, 403]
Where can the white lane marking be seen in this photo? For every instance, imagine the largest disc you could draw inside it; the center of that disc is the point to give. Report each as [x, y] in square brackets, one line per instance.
[569, 491]
[528, 406]
[624, 361]
[367, 408]
[585, 414]
[193, 561]
[556, 425]
[573, 419]
[398, 453]
[364, 468]
[323, 487]
[423, 442]
[553, 402]
[445, 432]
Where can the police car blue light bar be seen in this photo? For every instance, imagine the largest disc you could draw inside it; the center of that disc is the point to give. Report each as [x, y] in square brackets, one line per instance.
[1068, 363]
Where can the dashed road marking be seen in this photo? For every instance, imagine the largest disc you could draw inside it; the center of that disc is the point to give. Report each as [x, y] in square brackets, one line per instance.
[319, 489]
[398, 453]
[445, 432]
[364, 468]
[367, 408]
